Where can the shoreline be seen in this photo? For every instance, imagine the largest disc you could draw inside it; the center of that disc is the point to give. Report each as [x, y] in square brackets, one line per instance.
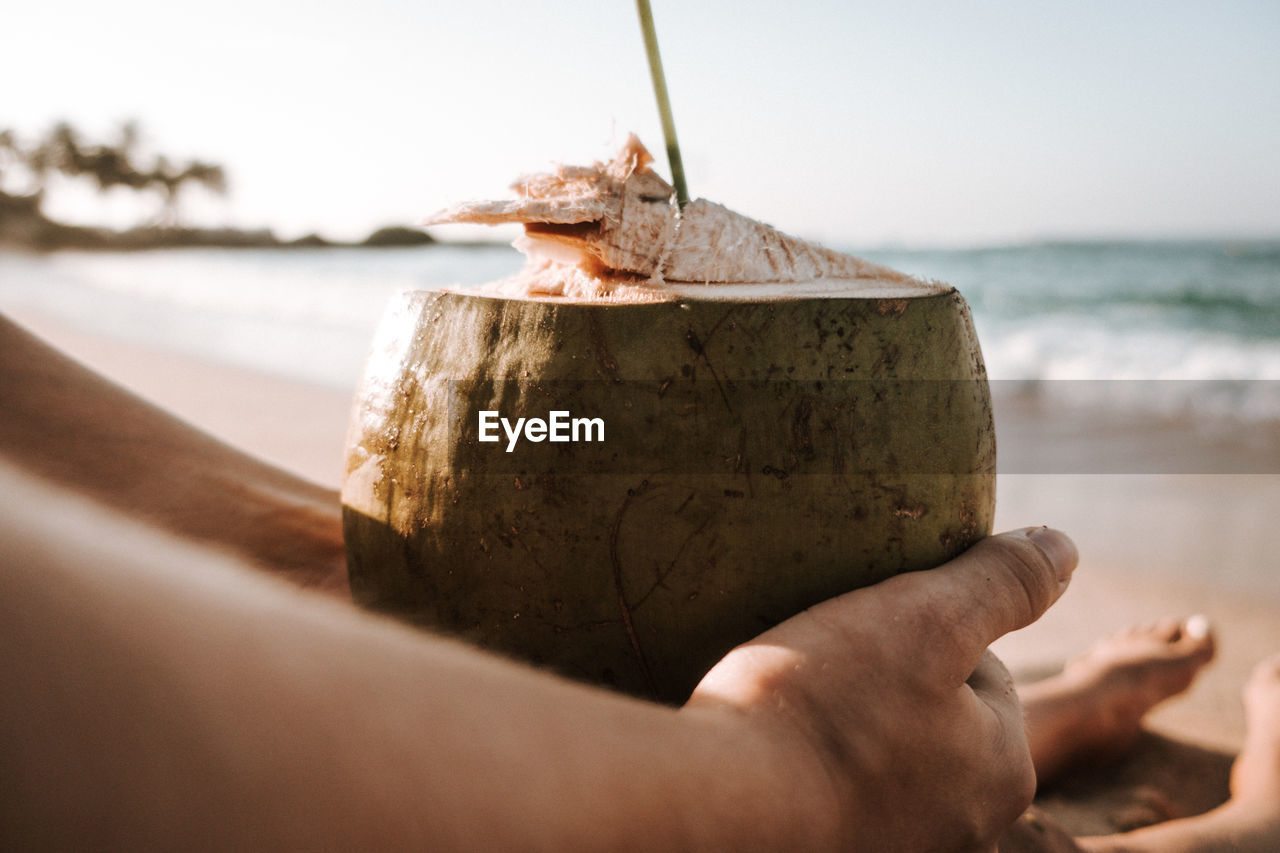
[24, 227]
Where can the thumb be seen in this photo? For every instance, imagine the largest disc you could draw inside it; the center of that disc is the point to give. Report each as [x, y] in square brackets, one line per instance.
[1001, 584]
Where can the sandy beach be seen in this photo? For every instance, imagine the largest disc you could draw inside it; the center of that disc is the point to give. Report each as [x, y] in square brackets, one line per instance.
[1147, 542]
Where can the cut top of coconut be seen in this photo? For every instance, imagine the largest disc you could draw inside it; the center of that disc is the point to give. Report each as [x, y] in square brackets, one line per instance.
[612, 232]
[561, 285]
[557, 283]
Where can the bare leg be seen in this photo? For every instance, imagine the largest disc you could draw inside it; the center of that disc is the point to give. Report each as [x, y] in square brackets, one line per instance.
[1247, 823]
[70, 426]
[1250, 820]
[1093, 710]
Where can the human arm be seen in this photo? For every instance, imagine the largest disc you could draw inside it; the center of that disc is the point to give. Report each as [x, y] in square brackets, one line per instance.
[66, 424]
[157, 694]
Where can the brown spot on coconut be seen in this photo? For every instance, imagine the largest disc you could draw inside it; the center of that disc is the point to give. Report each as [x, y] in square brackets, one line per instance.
[760, 452]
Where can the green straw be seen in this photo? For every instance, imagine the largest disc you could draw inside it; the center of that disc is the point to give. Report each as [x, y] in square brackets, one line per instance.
[664, 103]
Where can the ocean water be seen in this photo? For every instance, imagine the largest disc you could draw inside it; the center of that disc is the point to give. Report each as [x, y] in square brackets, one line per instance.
[1188, 310]
[306, 314]
[1083, 311]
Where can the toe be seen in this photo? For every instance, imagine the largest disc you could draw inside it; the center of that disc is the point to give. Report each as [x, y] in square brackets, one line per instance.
[1196, 639]
[1169, 630]
[1198, 627]
[1267, 673]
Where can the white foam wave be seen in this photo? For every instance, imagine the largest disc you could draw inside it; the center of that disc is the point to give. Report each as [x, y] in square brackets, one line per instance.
[1060, 347]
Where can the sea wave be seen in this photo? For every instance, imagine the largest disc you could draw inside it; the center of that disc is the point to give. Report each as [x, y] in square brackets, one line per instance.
[1095, 311]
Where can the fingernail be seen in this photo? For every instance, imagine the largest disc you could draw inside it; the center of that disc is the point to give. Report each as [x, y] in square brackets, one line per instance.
[1058, 547]
[1197, 627]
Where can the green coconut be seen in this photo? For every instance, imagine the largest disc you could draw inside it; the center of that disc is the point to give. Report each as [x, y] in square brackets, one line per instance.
[762, 423]
[762, 450]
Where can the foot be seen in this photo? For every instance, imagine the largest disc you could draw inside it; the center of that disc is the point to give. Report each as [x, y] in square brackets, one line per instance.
[1250, 820]
[1255, 777]
[1093, 710]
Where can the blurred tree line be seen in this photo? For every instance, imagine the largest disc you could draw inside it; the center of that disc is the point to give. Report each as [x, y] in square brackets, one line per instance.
[27, 166]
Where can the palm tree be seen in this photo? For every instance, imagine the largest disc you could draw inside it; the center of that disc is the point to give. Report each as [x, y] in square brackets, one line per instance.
[24, 195]
[64, 150]
[170, 180]
[10, 153]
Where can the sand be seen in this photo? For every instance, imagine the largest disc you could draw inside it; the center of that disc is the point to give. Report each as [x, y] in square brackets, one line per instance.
[1148, 542]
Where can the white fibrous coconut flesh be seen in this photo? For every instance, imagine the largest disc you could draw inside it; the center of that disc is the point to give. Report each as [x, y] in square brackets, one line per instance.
[612, 232]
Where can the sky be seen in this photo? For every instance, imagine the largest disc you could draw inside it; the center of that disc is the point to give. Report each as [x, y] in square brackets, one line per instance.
[855, 123]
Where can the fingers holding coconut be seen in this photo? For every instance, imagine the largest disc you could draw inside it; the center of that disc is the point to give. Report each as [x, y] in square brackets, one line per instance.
[1001, 584]
[931, 627]
[1000, 729]
[854, 684]
[1002, 718]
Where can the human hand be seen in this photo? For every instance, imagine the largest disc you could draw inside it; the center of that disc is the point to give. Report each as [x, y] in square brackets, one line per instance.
[890, 695]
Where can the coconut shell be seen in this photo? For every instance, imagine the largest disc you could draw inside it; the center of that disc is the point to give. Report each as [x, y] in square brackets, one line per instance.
[758, 457]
